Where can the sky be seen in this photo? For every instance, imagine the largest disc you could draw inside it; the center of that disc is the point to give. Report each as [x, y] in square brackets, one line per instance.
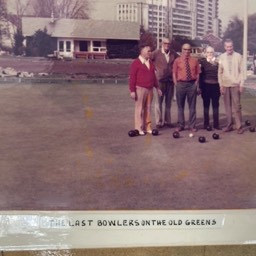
[229, 8]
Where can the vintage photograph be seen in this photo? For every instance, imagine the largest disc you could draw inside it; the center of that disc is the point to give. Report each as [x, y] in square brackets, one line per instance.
[125, 105]
[74, 87]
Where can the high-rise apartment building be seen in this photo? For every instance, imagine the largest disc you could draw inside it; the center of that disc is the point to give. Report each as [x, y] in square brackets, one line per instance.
[151, 14]
[194, 18]
[189, 18]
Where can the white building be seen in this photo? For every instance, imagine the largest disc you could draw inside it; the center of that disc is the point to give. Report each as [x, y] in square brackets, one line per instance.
[194, 18]
[81, 37]
[150, 14]
[190, 18]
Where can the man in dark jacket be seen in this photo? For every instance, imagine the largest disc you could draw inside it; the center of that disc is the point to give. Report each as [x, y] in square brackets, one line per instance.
[163, 59]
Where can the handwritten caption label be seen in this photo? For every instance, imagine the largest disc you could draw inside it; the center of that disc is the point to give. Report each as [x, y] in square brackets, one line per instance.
[133, 222]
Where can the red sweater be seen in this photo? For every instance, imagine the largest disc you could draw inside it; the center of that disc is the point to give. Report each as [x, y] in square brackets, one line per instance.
[141, 76]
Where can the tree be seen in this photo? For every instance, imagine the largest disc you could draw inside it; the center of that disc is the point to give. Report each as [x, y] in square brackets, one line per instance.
[3, 13]
[72, 9]
[252, 33]
[18, 48]
[14, 26]
[21, 7]
[234, 31]
[39, 44]
[2, 10]
[148, 38]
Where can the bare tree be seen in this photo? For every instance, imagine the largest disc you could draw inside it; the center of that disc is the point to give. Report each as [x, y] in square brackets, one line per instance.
[3, 14]
[13, 19]
[73, 9]
[43, 8]
[2, 8]
[20, 10]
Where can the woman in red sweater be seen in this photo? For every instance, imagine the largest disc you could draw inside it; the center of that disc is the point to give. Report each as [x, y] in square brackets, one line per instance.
[142, 81]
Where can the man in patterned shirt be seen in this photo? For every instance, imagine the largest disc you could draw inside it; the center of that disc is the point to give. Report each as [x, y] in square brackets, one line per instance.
[186, 80]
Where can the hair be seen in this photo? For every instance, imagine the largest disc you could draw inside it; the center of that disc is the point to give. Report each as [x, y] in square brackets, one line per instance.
[165, 39]
[228, 40]
[185, 44]
[143, 45]
[209, 48]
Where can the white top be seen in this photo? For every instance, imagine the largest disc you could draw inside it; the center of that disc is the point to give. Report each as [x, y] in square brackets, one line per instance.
[166, 55]
[144, 61]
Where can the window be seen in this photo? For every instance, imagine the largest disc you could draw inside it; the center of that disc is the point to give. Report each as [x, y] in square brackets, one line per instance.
[83, 45]
[68, 46]
[99, 46]
[97, 43]
[61, 46]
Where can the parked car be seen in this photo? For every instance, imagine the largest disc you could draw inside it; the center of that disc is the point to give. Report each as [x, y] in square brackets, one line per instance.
[250, 65]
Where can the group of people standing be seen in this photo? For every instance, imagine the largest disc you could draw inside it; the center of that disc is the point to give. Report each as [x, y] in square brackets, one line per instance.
[168, 72]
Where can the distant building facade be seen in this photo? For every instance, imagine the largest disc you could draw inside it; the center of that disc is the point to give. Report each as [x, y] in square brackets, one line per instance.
[151, 15]
[188, 18]
[194, 18]
[72, 38]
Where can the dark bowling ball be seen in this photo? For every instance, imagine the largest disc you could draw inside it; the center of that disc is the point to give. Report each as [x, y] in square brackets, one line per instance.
[137, 133]
[131, 133]
[215, 136]
[201, 139]
[252, 129]
[155, 132]
[247, 123]
[176, 135]
[209, 128]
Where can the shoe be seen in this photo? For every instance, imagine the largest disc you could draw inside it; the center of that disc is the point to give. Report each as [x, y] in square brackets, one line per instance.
[193, 130]
[217, 128]
[142, 133]
[240, 131]
[159, 126]
[179, 129]
[227, 129]
[149, 131]
[168, 125]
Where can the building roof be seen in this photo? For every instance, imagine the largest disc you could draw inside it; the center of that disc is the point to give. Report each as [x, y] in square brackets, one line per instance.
[212, 38]
[75, 28]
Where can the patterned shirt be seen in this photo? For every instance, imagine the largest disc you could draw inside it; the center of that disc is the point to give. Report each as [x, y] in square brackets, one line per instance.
[179, 68]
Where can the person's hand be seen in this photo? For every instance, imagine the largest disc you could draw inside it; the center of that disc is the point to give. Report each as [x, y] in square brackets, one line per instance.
[159, 92]
[133, 95]
[241, 88]
[198, 91]
[222, 90]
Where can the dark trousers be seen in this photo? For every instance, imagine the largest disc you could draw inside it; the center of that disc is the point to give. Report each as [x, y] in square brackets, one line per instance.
[211, 94]
[167, 95]
[186, 90]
